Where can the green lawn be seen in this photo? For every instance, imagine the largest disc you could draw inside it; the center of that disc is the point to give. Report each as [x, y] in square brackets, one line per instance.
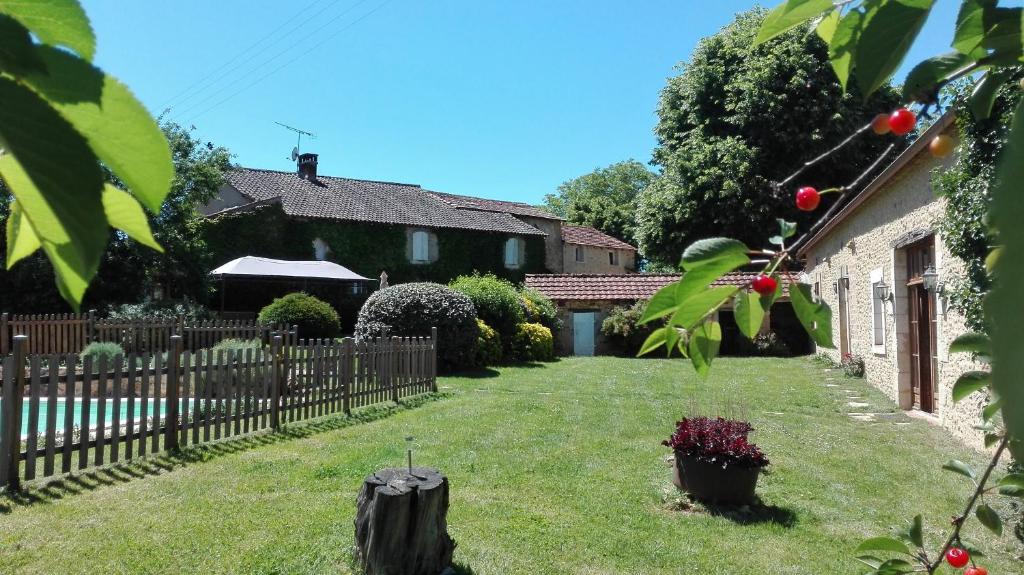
[553, 469]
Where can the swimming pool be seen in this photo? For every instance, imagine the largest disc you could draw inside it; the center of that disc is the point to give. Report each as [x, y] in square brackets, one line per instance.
[108, 412]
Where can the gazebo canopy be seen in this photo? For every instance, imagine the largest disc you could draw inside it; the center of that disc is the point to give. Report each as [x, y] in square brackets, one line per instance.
[252, 266]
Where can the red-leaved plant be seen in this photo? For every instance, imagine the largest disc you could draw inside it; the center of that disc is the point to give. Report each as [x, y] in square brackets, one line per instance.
[719, 441]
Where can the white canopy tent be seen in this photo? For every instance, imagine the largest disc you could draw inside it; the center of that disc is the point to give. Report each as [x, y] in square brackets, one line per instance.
[257, 268]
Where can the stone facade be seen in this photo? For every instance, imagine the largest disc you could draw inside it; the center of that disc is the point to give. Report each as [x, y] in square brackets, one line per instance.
[596, 260]
[564, 345]
[552, 242]
[867, 244]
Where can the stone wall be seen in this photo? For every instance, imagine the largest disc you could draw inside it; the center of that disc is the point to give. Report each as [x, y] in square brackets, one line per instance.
[596, 260]
[552, 242]
[565, 337]
[863, 244]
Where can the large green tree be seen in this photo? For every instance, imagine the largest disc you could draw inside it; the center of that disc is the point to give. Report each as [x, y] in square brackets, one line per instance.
[739, 117]
[604, 199]
[129, 271]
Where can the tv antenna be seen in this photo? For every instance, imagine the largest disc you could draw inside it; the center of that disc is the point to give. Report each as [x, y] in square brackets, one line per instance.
[298, 144]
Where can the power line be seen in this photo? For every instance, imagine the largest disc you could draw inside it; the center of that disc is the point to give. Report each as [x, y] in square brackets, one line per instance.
[214, 73]
[222, 89]
[286, 64]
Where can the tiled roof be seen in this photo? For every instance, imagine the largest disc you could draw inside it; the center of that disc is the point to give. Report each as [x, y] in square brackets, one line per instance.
[499, 206]
[368, 201]
[585, 236]
[616, 287]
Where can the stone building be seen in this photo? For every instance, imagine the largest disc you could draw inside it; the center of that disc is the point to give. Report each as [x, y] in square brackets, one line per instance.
[589, 251]
[881, 265]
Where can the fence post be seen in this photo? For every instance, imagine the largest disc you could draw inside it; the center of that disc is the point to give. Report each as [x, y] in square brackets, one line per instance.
[5, 334]
[433, 359]
[347, 375]
[91, 327]
[275, 383]
[173, 392]
[393, 372]
[10, 418]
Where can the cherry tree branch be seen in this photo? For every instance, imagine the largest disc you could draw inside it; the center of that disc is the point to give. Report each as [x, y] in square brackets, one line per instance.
[810, 163]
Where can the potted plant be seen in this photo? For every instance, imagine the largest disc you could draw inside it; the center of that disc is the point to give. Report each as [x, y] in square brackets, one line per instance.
[714, 462]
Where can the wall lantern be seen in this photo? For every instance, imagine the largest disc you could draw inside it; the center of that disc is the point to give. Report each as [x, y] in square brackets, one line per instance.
[882, 291]
[930, 279]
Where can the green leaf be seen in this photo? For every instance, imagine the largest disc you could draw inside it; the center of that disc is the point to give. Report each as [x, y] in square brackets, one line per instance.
[884, 40]
[704, 343]
[970, 28]
[959, 467]
[970, 382]
[816, 317]
[117, 126]
[991, 439]
[870, 561]
[916, 531]
[748, 313]
[124, 213]
[787, 229]
[789, 15]
[844, 43]
[662, 303]
[895, 567]
[1004, 304]
[57, 181]
[971, 342]
[989, 518]
[653, 341]
[985, 91]
[882, 544]
[923, 81]
[1012, 485]
[697, 307]
[826, 29]
[991, 410]
[17, 51]
[21, 238]
[55, 22]
[1003, 31]
[722, 254]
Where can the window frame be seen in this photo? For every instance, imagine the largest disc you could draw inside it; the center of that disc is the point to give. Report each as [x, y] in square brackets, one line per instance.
[613, 257]
[424, 247]
[878, 327]
[581, 255]
[512, 253]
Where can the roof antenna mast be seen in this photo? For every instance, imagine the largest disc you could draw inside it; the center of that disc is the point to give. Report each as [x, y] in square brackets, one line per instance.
[298, 144]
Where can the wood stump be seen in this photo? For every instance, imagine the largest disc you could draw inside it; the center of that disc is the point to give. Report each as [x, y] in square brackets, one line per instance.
[401, 523]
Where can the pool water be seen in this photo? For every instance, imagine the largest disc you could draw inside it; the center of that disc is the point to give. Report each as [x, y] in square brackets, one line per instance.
[61, 408]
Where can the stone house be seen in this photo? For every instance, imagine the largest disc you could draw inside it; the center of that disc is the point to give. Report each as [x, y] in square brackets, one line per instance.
[881, 265]
[589, 251]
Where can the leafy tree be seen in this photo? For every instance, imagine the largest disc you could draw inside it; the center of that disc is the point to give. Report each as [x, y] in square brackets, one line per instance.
[604, 199]
[737, 118]
[61, 117]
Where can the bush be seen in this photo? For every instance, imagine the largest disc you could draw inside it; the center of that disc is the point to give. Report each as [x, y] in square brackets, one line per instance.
[764, 345]
[533, 342]
[187, 309]
[853, 365]
[237, 345]
[495, 299]
[316, 318]
[488, 345]
[540, 309]
[412, 309]
[621, 330]
[719, 441]
[98, 349]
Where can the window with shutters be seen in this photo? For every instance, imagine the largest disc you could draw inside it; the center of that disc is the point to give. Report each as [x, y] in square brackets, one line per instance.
[512, 253]
[420, 246]
[877, 315]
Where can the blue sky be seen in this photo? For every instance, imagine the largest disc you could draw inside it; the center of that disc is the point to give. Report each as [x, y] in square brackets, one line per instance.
[501, 99]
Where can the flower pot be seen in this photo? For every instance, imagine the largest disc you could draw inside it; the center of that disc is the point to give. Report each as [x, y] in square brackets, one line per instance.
[709, 482]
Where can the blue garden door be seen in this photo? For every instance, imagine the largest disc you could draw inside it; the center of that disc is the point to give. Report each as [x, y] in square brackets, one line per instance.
[583, 328]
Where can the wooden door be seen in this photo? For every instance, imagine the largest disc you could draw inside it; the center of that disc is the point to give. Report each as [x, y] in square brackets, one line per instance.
[584, 328]
[844, 316]
[922, 333]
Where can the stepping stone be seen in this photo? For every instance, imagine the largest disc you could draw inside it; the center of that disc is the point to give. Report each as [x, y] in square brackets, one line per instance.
[774, 413]
[831, 385]
[857, 404]
[862, 416]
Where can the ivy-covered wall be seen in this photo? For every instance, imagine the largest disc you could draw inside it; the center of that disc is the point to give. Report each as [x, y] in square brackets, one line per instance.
[365, 248]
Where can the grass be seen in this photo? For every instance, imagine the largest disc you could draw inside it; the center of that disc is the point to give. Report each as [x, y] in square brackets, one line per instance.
[553, 469]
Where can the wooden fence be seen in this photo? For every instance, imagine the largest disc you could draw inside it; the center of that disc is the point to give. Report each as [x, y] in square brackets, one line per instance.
[55, 418]
[70, 333]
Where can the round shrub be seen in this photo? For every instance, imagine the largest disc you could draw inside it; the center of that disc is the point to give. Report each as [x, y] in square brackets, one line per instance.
[533, 342]
[623, 332]
[495, 299]
[239, 346]
[412, 309]
[315, 318]
[98, 349]
[488, 345]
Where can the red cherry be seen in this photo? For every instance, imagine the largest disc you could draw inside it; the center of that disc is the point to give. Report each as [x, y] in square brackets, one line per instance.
[764, 285]
[881, 124]
[957, 557]
[807, 199]
[976, 571]
[902, 121]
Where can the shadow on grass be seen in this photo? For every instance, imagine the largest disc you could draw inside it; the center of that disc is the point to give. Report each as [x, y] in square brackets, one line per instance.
[462, 569]
[753, 514]
[57, 488]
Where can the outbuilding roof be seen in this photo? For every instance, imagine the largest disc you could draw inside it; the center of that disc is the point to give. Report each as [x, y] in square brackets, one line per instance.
[582, 235]
[368, 201]
[616, 287]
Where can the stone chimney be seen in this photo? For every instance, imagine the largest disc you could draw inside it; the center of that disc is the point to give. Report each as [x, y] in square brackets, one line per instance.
[307, 167]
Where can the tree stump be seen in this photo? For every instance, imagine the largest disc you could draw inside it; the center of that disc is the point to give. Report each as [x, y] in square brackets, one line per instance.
[401, 523]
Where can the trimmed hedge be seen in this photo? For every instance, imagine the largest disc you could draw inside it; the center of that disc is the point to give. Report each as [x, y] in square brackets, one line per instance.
[316, 318]
[496, 301]
[412, 309]
[488, 345]
[533, 342]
